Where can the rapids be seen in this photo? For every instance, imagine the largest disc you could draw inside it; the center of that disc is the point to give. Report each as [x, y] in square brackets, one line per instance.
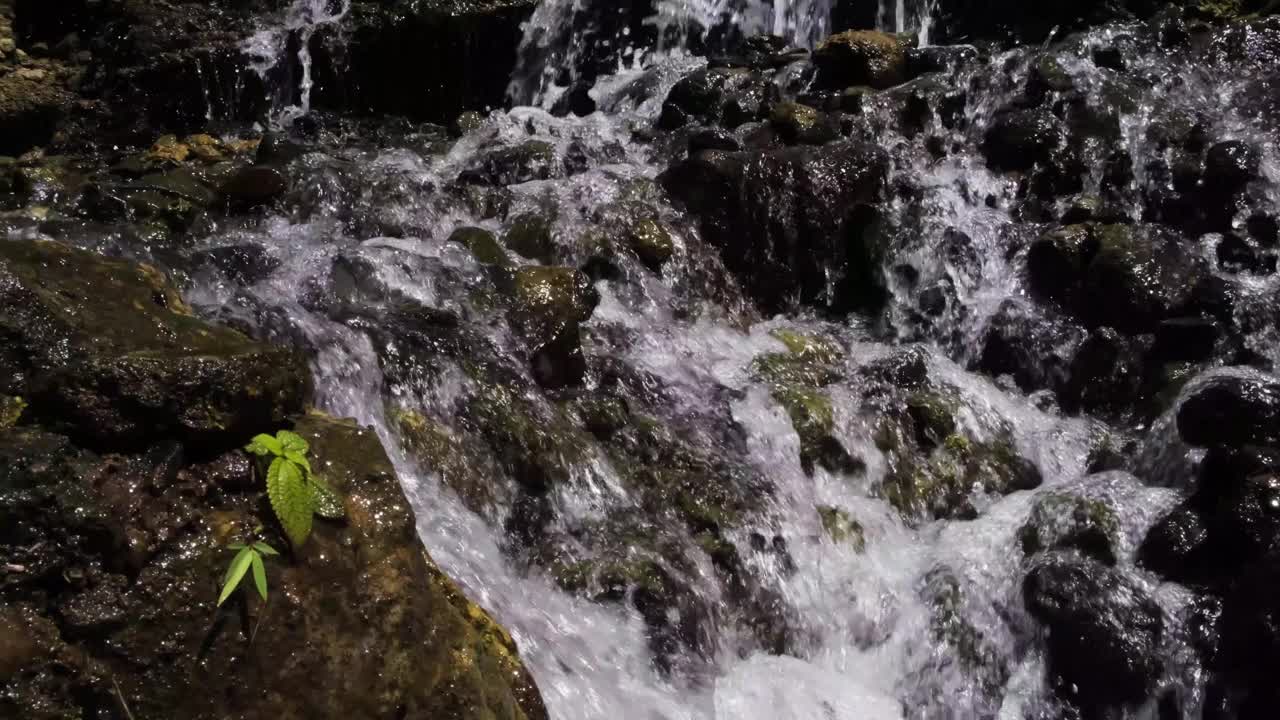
[864, 643]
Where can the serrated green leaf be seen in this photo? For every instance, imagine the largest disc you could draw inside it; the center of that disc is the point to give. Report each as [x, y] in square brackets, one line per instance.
[259, 575]
[290, 499]
[300, 461]
[264, 548]
[326, 502]
[263, 445]
[291, 442]
[235, 574]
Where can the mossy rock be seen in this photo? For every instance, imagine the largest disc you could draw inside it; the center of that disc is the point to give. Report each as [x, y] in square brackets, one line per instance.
[548, 304]
[862, 57]
[144, 551]
[796, 378]
[651, 242]
[538, 446]
[463, 468]
[1060, 521]
[107, 351]
[11, 409]
[936, 482]
[530, 235]
[977, 656]
[841, 527]
[483, 245]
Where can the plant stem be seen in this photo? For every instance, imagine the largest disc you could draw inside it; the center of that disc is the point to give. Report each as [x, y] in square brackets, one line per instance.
[120, 696]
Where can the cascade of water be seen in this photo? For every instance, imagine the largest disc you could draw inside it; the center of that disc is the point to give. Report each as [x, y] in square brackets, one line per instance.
[268, 53]
[560, 37]
[908, 16]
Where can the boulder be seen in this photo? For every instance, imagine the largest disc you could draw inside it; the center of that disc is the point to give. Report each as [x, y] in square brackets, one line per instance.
[548, 305]
[1103, 632]
[106, 351]
[721, 96]
[862, 57]
[1060, 522]
[31, 108]
[141, 542]
[1130, 277]
[791, 223]
[502, 166]
[1231, 410]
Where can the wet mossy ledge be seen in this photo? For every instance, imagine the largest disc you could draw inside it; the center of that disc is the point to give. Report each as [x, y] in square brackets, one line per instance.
[121, 485]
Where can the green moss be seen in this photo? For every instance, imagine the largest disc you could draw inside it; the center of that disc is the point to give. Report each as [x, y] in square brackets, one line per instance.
[936, 481]
[651, 242]
[841, 527]
[540, 448]
[464, 472]
[10, 410]
[933, 414]
[1069, 521]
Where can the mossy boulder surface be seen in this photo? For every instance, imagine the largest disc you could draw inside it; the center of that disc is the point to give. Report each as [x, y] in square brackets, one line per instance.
[862, 57]
[112, 581]
[107, 351]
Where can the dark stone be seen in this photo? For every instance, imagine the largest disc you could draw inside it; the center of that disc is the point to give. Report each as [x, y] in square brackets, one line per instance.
[1231, 410]
[1021, 139]
[1231, 165]
[241, 264]
[862, 57]
[253, 186]
[108, 351]
[791, 224]
[1031, 347]
[712, 139]
[531, 160]
[1104, 633]
[717, 96]
[548, 306]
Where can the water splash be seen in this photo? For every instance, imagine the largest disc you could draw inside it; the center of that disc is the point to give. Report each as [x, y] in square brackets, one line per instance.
[568, 40]
[908, 16]
[269, 56]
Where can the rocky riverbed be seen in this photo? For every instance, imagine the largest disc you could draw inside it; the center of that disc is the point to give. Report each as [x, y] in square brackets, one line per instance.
[679, 360]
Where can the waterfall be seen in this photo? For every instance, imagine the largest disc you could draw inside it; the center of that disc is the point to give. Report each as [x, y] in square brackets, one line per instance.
[908, 16]
[557, 42]
[268, 52]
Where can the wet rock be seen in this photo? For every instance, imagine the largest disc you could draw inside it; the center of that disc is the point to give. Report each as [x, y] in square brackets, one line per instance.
[1106, 373]
[841, 527]
[651, 242]
[108, 351]
[717, 96]
[1231, 410]
[31, 107]
[1129, 277]
[547, 306]
[531, 236]
[1060, 522]
[1104, 633]
[1231, 165]
[139, 548]
[1022, 139]
[801, 124]
[1177, 548]
[792, 223]
[253, 186]
[1033, 348]
[241, 264]
[531, 160]
[463, 466]
[466, 122]
[796, 379]
[862, 57]
[537, 445]
[482, 244]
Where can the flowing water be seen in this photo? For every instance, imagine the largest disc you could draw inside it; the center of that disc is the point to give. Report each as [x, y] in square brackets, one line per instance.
[866, 650]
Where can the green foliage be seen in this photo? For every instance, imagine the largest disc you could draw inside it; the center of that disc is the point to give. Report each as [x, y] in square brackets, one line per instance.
[248, 557]
[295, 493]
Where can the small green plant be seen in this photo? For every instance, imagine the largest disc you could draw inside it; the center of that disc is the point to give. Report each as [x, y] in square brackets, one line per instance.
[249, 556]
[295, 492]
